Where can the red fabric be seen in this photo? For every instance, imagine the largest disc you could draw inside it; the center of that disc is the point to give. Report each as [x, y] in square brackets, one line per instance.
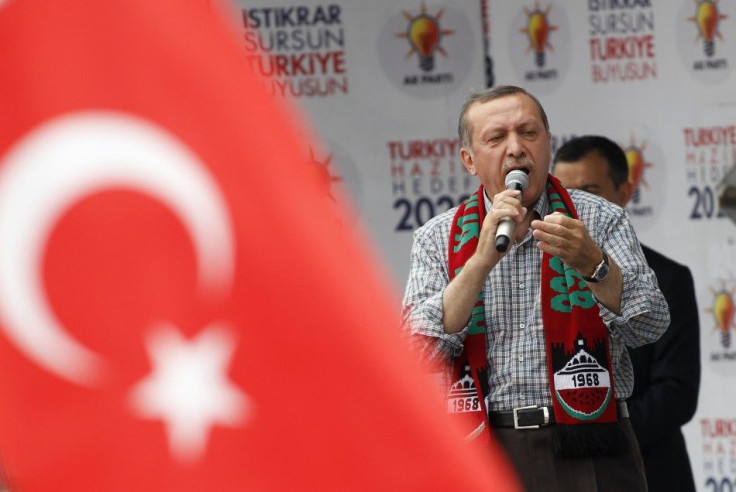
[335, 402]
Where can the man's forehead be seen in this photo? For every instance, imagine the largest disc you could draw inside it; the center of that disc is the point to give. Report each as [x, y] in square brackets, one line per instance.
[592, 159]
[501, 105]
[582, 172]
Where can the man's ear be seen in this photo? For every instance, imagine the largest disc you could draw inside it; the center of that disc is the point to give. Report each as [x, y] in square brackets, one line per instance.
[467, 159]
[625, 190]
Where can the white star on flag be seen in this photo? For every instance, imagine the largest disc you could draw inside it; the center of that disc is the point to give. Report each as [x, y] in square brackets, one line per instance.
[188, 388]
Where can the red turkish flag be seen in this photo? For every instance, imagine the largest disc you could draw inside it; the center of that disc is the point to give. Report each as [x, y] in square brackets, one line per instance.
[178, 308]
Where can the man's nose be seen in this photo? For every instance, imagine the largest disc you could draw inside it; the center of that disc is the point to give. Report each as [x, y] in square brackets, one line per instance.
[514, 148]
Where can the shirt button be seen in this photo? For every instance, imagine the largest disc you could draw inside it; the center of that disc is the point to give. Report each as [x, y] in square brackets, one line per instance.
[521, 286]
[521, 325]
[521, 358]
[522, 397]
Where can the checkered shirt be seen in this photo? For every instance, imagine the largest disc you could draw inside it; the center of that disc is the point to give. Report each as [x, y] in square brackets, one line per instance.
[515, 343]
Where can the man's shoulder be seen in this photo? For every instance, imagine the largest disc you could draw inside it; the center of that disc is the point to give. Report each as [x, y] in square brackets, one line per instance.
[591, 207]
[439, 224]
[586, 199]
[659, 262]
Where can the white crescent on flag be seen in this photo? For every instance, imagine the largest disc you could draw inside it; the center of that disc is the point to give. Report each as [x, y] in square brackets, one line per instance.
[61, 162]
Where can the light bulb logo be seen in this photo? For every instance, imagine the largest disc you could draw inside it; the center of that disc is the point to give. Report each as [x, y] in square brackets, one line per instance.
[637, 166]
[424, 34]
[706, 18]
[723, 311]
[537, 29]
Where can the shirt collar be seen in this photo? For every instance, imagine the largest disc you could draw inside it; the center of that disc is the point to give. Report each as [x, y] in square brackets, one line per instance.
[540, 208]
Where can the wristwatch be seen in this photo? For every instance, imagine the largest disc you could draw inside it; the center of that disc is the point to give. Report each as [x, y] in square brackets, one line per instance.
[600, 272]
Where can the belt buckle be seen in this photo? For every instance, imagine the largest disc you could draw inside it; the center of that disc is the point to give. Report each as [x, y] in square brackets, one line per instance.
[545, 411]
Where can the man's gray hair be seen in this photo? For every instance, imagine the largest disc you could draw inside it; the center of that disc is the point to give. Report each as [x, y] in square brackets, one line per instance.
[463, 128]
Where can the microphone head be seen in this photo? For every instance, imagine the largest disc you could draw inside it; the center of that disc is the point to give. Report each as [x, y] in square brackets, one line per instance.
[517, 180]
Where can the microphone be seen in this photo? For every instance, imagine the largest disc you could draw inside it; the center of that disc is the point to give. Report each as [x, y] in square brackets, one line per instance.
[515, 180]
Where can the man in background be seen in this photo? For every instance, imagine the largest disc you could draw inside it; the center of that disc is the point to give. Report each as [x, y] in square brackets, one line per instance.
[667, 372]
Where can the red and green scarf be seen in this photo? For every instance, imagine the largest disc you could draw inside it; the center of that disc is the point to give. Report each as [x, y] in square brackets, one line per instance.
[578, 360]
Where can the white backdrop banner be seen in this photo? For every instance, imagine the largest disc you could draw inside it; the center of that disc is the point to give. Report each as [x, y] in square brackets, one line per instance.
[382, 83]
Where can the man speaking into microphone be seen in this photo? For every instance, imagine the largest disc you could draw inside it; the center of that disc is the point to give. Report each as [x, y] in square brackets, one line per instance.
[532, 327]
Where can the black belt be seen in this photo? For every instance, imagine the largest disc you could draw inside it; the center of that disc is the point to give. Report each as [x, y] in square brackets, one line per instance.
[534, 417]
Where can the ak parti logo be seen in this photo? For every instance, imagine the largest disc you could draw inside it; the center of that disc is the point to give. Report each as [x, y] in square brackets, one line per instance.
[543, 57]
[424, 34]
[719, 344]
[722, 309]
[427, 51]
[706, 18]
[537, 30]
[703, 39]
[336, 176]
[637, 164]
[325, 178]
[648, 180]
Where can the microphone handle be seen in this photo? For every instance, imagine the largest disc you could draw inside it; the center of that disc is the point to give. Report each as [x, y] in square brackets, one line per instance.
[505, 230]
[504, 233]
